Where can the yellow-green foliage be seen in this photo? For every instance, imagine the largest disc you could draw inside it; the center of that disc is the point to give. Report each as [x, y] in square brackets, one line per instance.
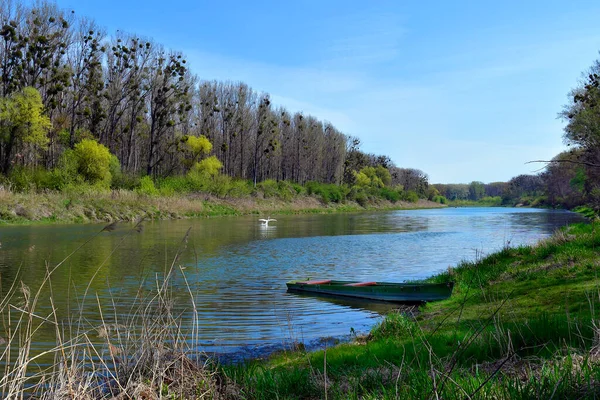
[114, 167]
[94, 161]
[269, 187]
[198, 144]
[361, 179]
[194, 147]
[22, 117]
[377, 177]
[64, 136]
[240, 188]
[383, 174]
[147, 187]
[208, 167]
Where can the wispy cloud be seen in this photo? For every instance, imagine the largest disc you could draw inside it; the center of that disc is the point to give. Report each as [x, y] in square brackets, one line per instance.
[273, 77]
[477, 113]
[363, 39]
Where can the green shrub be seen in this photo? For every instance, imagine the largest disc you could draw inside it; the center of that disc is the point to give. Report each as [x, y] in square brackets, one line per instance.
[333, 193]
[311, 187]
[298, 188]
[410, 196]
[77, 189]
[21, 179]
[147, 187]
[286, 190]
[358, 194]
[24, 179]
[88, 162]
[220, 185]
[440, 199]
[94, 162]
[208, 167]
[389, 194]
[362, 199]
[60, 179]
[269, 188]
[125, 181]
[114, 167]
[31, 179]
[539, 201]
[240, 188]
[173, 185]
[65, 173]
[327, 192]
[197, 182]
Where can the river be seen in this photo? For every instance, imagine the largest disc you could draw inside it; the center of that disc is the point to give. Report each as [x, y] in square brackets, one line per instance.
[235, 269]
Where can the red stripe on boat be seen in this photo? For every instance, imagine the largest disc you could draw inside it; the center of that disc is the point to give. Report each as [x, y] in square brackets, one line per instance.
[322, 282]
[361, 284]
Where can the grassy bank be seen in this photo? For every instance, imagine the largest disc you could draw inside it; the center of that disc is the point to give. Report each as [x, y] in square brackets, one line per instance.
[123, 205]
[521, 324]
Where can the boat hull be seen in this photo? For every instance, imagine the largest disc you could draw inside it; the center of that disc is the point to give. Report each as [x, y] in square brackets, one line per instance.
[382, 291]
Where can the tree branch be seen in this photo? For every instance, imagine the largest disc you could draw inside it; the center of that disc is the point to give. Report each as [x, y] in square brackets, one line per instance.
[589, 164]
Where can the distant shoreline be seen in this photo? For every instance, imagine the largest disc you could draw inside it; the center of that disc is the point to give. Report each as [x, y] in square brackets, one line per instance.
[121, 205]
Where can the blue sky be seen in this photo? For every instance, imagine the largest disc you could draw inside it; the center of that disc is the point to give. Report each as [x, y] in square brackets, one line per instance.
[463, 90]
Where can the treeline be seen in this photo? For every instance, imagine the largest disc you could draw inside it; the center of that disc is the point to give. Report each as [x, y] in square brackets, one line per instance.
[527, 190]
[69, 91]
[141, 102]
[560, 185]
[570, 179]
[474, 191]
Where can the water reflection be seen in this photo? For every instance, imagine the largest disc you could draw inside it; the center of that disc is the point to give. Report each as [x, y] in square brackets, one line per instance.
[236, 268]
[267, 231]
[379, 307]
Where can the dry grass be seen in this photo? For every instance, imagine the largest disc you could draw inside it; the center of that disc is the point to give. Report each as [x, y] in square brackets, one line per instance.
[94, 205]
[144, 353]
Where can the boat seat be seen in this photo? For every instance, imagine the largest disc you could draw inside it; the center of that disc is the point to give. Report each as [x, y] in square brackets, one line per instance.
[322, 282]
[361, 284]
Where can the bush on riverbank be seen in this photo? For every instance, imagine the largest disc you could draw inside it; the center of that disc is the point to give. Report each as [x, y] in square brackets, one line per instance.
[89, 203]
[495, 201]
[74, 173]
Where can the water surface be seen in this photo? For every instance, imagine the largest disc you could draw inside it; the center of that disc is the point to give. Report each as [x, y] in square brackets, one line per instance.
[236, 269]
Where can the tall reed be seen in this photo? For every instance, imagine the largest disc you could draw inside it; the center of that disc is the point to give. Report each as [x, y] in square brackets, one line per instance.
[147, 351]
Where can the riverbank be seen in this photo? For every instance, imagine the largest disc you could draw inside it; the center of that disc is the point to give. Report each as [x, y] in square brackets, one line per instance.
[521, 324]
[122, 205]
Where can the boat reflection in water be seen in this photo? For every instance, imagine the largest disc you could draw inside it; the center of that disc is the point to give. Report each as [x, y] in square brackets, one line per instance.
[377, 306]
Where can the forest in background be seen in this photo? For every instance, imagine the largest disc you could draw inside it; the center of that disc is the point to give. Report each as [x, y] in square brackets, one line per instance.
[83, 109]
[80, 107]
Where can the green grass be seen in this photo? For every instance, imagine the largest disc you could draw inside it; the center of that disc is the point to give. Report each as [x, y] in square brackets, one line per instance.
[521, 324]
[484, 202]
[212, 209]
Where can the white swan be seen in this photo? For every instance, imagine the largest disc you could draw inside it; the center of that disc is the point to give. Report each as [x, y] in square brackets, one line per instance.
[265, 222]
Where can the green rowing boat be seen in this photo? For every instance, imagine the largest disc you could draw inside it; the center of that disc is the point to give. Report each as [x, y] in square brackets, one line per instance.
[385, 291]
